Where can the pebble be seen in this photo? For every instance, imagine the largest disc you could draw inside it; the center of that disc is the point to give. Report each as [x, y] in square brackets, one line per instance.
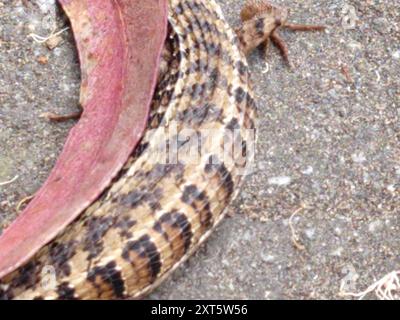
[391, 188]
[54, 42]
[310, 233]
[43, 60]
[46, 5]
[337, 252]
[267, 258]
[359, 157]
[308, 171]
[280, 181]
[338, 231]
[375, 226]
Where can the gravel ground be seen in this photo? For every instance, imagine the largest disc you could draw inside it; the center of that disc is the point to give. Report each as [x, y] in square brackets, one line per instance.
[328, 162]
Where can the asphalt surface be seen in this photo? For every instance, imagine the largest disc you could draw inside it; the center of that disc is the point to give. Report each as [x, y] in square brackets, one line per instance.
[321, 211]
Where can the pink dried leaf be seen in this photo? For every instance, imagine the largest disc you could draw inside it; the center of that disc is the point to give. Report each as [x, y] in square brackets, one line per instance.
[119, 44]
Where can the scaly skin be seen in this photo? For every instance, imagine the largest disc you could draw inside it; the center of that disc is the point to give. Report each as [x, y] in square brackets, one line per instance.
[155, 215]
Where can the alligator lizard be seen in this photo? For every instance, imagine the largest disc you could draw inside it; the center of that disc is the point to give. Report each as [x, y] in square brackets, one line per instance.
[157, 212]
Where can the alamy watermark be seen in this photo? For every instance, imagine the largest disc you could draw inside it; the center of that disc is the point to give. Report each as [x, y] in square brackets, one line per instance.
[234, 148]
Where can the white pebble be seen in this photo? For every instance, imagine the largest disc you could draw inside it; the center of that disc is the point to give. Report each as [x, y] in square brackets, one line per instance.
[359, 157]
[391, 188]
[337, 231]
[308, 171]
[375, 226]
[267, 258]
[280, 181]
[46, 5]
[338, 252]
[310, 233]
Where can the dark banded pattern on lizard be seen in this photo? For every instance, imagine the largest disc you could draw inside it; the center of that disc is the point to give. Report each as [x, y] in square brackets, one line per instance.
[160, 209]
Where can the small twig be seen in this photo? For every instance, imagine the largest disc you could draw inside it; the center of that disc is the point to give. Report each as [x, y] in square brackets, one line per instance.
[61, 118]
[23, 201]
[303, 27]
[346, 72]
[295, 238]
[40, 39]
[385, 288]
[2, 184]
